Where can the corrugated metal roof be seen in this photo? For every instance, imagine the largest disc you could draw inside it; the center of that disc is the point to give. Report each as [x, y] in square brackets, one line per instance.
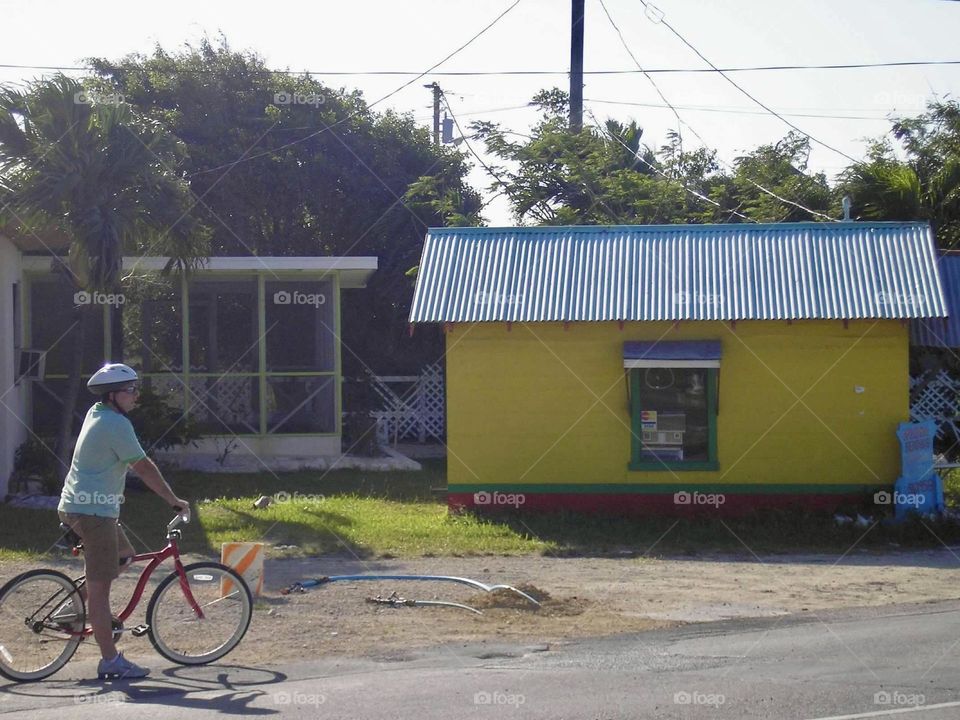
[943, 332]
[679, 272]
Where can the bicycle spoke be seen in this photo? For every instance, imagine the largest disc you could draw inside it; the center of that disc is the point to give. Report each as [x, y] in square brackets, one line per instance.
[31, 648]
[179, 634]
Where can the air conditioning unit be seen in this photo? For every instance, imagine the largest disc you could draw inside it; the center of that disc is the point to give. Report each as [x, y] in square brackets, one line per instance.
[32, 364]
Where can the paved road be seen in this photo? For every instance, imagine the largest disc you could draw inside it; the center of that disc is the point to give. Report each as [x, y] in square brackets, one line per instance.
[900, 662]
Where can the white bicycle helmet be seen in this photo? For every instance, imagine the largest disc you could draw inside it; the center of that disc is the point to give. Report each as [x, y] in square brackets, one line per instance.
[112, 377]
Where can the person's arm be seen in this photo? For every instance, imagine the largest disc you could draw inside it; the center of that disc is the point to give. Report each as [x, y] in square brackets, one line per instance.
[147, 471]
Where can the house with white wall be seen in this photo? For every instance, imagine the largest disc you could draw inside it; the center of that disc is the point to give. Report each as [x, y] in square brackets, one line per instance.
[248, 347]
[13, 421]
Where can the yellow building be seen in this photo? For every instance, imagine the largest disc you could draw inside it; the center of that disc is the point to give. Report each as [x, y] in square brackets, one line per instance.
[673, 368]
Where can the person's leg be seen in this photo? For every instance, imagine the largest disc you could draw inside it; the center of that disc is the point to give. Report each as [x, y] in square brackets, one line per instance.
[103, 547]
[99, 617]
[100, 553]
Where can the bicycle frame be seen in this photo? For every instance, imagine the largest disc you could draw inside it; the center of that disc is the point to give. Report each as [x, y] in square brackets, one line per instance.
[171, 550]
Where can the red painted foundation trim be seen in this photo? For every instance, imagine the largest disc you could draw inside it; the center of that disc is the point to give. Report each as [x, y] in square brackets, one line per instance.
[659, 504]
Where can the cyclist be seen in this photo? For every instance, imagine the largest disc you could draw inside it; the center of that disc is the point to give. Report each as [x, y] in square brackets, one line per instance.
[91, 498]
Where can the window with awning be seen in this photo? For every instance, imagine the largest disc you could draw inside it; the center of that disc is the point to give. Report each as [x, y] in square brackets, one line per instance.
[673, 387]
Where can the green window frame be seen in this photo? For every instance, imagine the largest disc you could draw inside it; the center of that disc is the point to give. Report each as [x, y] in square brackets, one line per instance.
[637, 461]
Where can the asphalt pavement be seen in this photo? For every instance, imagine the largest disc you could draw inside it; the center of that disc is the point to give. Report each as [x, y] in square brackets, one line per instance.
[900, 661]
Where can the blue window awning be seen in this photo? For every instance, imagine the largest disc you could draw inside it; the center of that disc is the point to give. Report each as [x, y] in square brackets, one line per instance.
[672, 353]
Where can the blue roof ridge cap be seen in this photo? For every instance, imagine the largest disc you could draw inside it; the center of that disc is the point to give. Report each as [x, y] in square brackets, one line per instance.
[679, 226]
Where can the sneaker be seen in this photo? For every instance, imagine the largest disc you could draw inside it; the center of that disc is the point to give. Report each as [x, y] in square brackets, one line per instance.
[120, 669]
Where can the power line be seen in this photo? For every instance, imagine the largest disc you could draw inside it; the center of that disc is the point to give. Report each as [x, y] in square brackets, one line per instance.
[659, 106]
[696, 134]
[505, 187]
[702, 108]
[481, 73]
[660, 172]
[645, 73]
[368, 106]
[656, 15]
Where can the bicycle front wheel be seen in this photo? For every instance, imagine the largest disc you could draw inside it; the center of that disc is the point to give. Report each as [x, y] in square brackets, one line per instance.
[182, 635]
[33, 645]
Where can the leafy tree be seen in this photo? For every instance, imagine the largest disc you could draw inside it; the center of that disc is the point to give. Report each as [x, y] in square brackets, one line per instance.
[104, 176]
[591, 177]
[925, 185]
[284, 165]
[771, 183]
[605, 175]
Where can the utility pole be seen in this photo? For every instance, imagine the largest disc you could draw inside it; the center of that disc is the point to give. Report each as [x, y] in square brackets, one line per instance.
[436, 111]
[576, 66]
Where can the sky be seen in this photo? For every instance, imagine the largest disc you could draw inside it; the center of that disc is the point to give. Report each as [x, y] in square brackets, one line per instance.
[380, 35]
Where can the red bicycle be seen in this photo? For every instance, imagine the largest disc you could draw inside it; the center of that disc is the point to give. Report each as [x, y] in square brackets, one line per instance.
[197, 614]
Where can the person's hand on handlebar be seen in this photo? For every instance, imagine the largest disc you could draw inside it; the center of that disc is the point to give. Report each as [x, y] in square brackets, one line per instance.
[182, 507]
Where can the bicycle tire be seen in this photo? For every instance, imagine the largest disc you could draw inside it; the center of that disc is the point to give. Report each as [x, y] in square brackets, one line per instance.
[31, 646]
[176, 632]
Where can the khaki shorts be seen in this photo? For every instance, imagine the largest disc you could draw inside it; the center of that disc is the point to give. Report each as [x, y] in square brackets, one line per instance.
[104, 543]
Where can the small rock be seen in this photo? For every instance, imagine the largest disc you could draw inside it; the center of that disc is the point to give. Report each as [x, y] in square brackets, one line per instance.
[261, 502]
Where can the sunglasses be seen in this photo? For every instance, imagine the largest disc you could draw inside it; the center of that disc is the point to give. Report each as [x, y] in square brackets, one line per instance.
[134, 390]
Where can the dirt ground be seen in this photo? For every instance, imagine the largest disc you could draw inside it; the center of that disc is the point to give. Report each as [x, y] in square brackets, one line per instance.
[581, 597]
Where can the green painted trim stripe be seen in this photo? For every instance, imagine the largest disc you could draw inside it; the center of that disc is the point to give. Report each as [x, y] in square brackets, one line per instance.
[673, 465]
[665, 488]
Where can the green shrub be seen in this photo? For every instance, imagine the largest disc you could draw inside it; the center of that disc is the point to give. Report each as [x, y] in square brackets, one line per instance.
[159, 425]
[36, 461]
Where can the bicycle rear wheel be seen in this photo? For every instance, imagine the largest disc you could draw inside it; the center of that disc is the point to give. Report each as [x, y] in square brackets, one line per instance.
[32, 646]
[179, 634]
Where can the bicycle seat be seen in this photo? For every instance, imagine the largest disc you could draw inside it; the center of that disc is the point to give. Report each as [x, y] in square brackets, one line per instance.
[69, 540]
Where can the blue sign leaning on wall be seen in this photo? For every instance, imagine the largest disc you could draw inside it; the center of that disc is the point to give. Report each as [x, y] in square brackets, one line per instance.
[918, 489]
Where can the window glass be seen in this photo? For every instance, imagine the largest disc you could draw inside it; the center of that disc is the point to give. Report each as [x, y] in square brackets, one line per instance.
[223, 326]
[674, 425]
[225, 405]
[55, 311]
[299, 326]
[152, 324]
[301, 405]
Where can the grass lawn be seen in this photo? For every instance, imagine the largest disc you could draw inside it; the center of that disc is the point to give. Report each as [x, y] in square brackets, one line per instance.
[399, 514]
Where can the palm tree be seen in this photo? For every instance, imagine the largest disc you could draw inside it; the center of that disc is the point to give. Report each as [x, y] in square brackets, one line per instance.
[924, 186]
[87, 166]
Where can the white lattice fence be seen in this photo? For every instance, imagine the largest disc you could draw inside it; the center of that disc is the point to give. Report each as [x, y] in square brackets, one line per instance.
[413, 406]
[937, 398]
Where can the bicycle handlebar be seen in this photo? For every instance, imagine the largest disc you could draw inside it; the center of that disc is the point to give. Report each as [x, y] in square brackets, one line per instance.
[181, 518]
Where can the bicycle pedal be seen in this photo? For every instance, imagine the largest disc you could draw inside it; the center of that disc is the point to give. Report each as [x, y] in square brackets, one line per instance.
[140, 630]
